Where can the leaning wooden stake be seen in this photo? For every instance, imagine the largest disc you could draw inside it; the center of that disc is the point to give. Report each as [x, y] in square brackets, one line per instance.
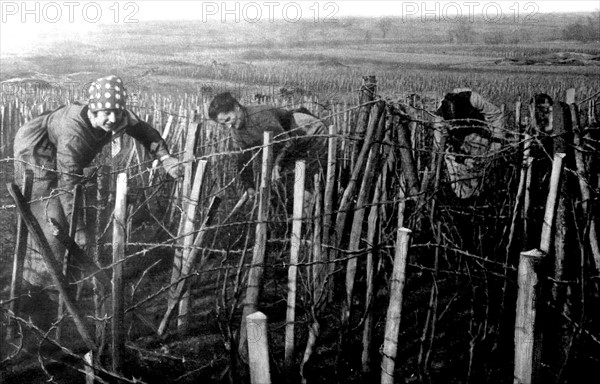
[258, 348]
[77, 204]
[300, 173]
[51, 264]
[346, 202]
[19, 258]
[188, 240]
[118, 312]
[371, 240]
[394, 312]
[359, 214]
[189, 262]
[260, 243]
[551, 203]
[79, 258]
[527, 346]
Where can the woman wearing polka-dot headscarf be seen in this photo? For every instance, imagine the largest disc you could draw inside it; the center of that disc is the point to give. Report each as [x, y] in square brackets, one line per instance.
[59, 145]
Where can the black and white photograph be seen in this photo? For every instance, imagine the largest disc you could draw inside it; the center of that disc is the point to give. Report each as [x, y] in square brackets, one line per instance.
[299, 192]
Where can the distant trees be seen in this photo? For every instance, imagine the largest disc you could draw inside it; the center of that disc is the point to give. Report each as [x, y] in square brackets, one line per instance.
[583, 31]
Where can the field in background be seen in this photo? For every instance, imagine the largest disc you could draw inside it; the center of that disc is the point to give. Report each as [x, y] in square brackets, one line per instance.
[326, 59]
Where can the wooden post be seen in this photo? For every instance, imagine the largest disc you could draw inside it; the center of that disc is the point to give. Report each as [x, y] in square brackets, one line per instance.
[77, 205]
[551, 203]
[328, 208]
[371, 235]
[260, 242]
[394, 312]
[300, 174]
[527, 348]
[51, 264]
[90, 376]
[103, 182]
[19, 257]
[188, 240]
[118, 312]
[258, 348]
[317, 272]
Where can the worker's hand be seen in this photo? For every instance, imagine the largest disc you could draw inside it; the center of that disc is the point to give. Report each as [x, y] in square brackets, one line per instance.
[172, 167]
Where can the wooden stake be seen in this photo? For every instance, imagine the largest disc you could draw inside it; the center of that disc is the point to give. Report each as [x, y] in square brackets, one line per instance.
[299, 180]
[328, 209]
[371, 232]
[78, 257]
[103, 182]
[318, 270]
[77, 204]
[394, 312]
[51, 264]
[527, 348]
[258, 348]
[19, 257]
[90, 376]
[260, 245]
[118, 312]
[188, 240]
[551, 203]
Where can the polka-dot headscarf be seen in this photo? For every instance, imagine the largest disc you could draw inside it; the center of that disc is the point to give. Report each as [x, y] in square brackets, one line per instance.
[107, 93]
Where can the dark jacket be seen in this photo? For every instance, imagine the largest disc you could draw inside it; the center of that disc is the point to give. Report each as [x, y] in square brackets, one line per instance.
[58, 145]
[296, 135]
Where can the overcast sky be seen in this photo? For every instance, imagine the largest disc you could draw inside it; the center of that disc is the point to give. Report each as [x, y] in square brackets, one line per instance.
[193, 9]
[23, 22]
[81, 12]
